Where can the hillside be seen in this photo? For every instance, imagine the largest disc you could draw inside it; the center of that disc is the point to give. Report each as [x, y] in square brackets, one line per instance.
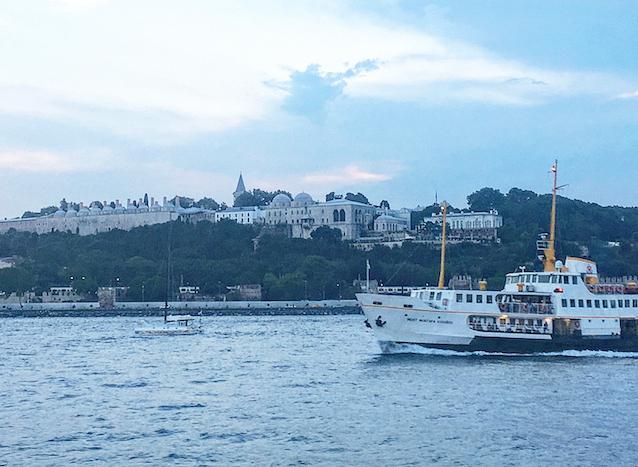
[212, 256]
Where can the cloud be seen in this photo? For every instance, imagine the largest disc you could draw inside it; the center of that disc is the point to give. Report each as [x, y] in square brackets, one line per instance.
[34, 161]
[309, 91]
[628, 95]
[349, 175]
[210, 66]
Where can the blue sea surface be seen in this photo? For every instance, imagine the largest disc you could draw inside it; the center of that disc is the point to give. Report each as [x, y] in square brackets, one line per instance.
[300, 390]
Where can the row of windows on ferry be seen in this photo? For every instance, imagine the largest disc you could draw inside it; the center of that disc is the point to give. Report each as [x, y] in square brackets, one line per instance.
[541, 279]
[581, 303]
[469, 298]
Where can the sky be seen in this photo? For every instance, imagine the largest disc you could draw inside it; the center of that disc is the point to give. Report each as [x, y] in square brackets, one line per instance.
[399, 100]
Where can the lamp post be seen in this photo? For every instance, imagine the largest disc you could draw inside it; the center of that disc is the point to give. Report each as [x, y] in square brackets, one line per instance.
[142, 292]
[339, 289]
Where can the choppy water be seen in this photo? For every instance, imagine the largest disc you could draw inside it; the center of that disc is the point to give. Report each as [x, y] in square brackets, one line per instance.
[299, 390]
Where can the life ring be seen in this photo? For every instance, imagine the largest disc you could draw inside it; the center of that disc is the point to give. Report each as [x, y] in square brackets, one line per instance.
[589, 268]
[577, 325]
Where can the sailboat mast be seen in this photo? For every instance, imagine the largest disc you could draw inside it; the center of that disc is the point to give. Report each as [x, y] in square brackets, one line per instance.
[443, 242]
[550, 252]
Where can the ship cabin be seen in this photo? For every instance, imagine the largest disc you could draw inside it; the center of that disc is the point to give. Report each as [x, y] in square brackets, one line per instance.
[572, 289]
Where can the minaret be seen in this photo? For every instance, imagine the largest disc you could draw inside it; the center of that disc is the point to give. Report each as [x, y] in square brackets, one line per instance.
[241, 188]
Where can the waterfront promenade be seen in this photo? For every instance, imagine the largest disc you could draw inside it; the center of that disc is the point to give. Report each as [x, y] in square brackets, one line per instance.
[248, 308]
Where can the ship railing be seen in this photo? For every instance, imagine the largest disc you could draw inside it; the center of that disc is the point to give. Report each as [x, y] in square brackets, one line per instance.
[533, 308]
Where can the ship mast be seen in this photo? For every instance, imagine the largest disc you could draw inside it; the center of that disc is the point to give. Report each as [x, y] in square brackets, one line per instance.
[549, 261]
[443, 241]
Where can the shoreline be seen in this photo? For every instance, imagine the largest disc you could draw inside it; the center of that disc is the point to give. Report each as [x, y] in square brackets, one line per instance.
[142, 309]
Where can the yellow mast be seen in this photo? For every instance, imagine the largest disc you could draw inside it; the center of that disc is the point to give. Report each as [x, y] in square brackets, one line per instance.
[550, 251]
[443, 240]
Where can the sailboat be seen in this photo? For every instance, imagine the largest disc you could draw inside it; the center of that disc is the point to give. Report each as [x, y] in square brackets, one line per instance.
[174, 325]
[563, 307]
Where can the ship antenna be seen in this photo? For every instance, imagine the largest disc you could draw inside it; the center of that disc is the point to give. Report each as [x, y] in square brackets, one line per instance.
[444, 206]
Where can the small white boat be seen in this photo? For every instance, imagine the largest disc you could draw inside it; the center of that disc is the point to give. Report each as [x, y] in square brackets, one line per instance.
[174, 325]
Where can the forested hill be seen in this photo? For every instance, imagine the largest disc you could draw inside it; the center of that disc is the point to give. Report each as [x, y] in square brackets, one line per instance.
[213, 256]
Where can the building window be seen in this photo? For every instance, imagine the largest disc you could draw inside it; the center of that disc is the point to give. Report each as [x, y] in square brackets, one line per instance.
[342, 216]
[335, 215]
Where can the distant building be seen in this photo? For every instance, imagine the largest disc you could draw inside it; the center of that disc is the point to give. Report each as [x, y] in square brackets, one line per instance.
[94, 220]
[61, 295]
[188, 293]
[470, 226]
[241, 215]
[241, 188]
[250, 292]
[387, 223]
[304, 215]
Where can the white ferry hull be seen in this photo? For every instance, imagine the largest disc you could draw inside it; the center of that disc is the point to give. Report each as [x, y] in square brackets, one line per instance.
[401, 322]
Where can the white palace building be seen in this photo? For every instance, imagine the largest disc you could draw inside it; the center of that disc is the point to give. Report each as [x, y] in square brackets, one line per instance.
[302, 215]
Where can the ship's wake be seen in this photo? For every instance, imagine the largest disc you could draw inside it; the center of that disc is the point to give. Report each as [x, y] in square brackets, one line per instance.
[391, 348]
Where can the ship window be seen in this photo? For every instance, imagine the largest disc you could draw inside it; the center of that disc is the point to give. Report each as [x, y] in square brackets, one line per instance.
[489, 299]
[620, 303]
[468, 298]
[406, 305]
[552, 279]
[572, 303]
[539, 322]
[438, 296]
[588, 303]
[543, 279]
[596, 303]
[563, 302]
[502, 320]
[612, 303]
[634, 303]
[528, 278]
[574, 280]
[479, 299]
[604, 303]
[534, 278]
[563, 280]
[431, 295]
[581, 304]
[627, 304]
[377, 303]
[459, 297]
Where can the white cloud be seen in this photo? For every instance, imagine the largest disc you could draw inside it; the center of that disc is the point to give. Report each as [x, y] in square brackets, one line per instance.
[150, 67]
[628, 95]
[349, 175]
[51, 162]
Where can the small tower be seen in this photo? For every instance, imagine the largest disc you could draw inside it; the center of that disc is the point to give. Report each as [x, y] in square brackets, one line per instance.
[241, 188]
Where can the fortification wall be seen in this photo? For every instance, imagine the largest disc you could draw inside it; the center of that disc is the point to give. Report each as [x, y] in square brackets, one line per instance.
[87, 225]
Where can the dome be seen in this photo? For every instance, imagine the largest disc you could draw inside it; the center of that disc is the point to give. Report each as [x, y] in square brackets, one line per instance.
[71, 213]
[59, 213]
[303, 198]
[281, 200]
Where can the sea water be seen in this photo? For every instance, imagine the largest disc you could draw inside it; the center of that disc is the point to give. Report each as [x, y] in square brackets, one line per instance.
[300, 390]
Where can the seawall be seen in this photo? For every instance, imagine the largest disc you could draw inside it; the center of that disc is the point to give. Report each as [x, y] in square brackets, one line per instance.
[245, 308]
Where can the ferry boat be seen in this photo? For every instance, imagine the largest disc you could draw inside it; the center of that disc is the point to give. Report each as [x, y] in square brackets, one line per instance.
[563, 307]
